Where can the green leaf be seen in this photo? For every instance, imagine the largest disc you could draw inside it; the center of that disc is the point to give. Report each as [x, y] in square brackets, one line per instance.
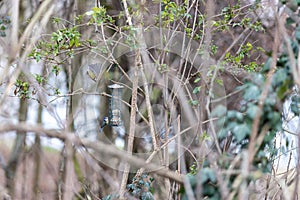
[207, 174]
[197, 80]
[251, 111]
[231, 114]
[219, 111]
[283, 59]
[297, 33]
[249, 46]
[271, 100]
[239, 116]
[56, 69]
[231, 125]
[289, 21]
[295, 108]
[279, 77]
[281, 91]
[196, 90]
[241, 132]
[252, 92]
[219, 81]
[266, 66]
[147, 196]
[194, 102]
[223, 133]
[275, 120]
[235, 115]
[39, 78]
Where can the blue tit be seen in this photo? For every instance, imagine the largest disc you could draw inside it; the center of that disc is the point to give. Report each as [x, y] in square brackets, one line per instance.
[104, 123]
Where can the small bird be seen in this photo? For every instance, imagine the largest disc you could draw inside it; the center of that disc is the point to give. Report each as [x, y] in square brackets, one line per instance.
[92, 75]
[93, 71]
[104, 123]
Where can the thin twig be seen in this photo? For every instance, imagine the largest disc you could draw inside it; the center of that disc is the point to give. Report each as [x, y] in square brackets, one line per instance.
[133, 109]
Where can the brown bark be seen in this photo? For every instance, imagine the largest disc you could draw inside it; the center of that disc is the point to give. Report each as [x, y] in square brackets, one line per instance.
[11, 168]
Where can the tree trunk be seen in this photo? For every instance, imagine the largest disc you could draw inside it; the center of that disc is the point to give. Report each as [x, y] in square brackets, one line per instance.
[11, 168]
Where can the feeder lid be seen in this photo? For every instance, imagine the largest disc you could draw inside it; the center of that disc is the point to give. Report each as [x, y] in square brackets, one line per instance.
[115, 86]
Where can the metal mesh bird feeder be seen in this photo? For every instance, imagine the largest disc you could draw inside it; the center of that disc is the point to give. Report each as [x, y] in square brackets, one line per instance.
[115, 105]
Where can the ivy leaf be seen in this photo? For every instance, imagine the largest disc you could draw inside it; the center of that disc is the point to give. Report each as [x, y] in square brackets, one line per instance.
[266, 66]
[295, 108]
[251, 111]
[297, 33]
[258, 79]
[281, 91]
[219, 111]
[241, 131]
[235, 115]
[147, 196]
[239, 116]
[289, 21]
[252, 92]
[275, 120]
[207, 174]
[223, 133]
[232, 125]
[279, 77]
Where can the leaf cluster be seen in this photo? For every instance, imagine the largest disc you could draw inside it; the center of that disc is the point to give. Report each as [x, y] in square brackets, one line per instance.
[99, 16]
[139, 188]
[4, 25]
[207, 178]
[237, 124]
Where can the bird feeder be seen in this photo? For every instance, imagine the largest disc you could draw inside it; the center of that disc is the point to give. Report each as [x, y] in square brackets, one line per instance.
[115, 105]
